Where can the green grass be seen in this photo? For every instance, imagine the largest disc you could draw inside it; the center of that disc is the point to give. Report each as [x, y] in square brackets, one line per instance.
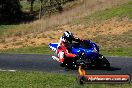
[124, 10]
[117, 52]
[45, 50]
[26, 5]
[4, 28]
[21, 79]
[28, 50]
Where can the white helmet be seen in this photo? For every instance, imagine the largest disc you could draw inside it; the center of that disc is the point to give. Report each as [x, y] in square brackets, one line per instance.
[67, 36]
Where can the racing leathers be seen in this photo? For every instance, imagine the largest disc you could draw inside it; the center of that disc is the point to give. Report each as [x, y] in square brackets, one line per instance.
[62, 50]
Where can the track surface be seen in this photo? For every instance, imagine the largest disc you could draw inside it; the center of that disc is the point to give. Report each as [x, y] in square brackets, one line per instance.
[119, 65]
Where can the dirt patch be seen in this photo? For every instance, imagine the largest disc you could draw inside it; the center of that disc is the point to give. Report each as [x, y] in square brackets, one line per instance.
[112, 27]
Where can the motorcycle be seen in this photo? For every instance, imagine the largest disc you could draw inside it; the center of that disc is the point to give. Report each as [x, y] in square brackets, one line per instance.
[88, 53]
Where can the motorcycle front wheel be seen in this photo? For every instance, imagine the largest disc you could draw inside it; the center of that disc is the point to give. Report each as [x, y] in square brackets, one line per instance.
[103, 62]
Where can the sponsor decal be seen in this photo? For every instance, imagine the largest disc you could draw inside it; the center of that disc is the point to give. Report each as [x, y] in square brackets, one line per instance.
[107, 78]
[101, 78]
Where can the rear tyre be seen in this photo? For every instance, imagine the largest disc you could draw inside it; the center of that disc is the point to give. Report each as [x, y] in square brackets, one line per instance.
[103, 62]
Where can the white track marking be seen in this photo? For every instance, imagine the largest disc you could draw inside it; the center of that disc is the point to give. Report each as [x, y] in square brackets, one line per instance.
[8, 70]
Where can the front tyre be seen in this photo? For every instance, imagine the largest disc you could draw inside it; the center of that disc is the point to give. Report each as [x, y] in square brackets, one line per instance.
[103, 62]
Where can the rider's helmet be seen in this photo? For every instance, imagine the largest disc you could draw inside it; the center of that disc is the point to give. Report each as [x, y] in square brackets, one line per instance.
[67, 36]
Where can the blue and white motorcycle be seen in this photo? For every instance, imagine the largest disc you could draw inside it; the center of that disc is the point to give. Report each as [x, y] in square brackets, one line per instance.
[89, 55]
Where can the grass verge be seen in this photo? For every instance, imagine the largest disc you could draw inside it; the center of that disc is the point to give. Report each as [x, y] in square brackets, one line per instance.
[28, 50]
[21, 79]
[117, 52]
[4, 28]
[45, 50]
[124, 10]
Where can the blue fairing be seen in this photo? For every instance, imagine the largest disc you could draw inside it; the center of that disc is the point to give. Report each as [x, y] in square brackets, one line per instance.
[89, 51]
[89, 48]
[53, 46]
[86, 51]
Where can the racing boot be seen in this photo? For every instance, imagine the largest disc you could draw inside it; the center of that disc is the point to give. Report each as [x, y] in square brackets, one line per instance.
[55, 58]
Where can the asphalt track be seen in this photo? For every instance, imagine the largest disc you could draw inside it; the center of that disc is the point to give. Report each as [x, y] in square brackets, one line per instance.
[36, 62]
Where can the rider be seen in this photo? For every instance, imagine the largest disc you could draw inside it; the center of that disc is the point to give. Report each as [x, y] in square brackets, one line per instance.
[63, 51]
